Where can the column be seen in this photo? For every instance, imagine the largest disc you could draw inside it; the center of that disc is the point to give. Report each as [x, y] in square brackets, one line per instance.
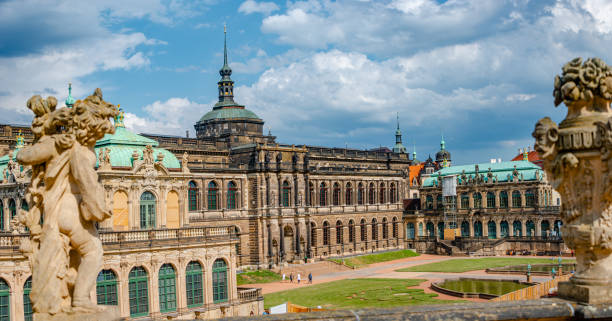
[123, 292]
[523, 228]
[16, 297]
[181, 297]
[471, 222]
[538, 227]
[154, 289]
[7, 215]
[163, 201]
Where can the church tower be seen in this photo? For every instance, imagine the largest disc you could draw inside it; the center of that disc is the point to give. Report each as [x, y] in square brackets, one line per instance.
[399, 147]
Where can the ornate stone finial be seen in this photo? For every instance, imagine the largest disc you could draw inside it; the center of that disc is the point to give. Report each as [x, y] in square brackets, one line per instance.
[526, 154]
[20, 140]
[69, 100]
[66, 255]
[577, 158]
[119, 118]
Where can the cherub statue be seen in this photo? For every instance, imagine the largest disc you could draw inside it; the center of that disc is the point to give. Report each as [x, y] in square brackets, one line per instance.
[65, 253]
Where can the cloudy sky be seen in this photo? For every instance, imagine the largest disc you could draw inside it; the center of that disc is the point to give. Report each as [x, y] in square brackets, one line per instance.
[331, 73]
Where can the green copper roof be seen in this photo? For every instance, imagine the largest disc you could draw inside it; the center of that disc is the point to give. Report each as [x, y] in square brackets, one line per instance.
[123, 143]
[500, 171]
[229, 113]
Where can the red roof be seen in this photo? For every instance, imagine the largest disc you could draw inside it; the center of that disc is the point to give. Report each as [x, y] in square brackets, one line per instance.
[532, 156]
[414, 172]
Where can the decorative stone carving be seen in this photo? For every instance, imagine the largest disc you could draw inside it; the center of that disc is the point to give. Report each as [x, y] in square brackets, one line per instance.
[65, 253]
[577, 158]
[185, 162]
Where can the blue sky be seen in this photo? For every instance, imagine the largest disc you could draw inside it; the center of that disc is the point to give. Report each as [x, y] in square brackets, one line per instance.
[330, 73]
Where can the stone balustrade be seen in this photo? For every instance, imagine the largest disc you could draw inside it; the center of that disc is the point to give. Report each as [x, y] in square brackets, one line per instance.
[249, 294]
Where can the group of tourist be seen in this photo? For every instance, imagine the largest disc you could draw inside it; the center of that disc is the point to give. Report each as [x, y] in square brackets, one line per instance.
[298, 278]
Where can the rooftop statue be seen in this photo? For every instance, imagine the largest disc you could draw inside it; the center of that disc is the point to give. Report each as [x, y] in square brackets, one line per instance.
[577, 156]
[66, 199]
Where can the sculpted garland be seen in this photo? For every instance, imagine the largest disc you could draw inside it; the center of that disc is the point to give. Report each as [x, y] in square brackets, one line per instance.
[65, 200]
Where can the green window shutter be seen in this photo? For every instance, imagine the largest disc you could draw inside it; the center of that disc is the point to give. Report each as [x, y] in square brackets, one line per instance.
[219, 281]
[167, 288]
[106, 288]
[138, 292]
[194, 287]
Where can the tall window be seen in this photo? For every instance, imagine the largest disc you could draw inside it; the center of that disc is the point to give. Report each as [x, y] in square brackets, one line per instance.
[490, 200]
[325, 233]
[193, 281]
[492, 230]
[465, 201]
[339, 233]
[477, 200]
[138, 292]
[420, 229]
[363, 230]
[231, 195]
[12, 208]
[465, 229]
[313, 234]
[167, 288]
[24, 205]
[439, 201]
[517, 227]
[5, 301]
[193, 196]
[393, 193]
[219, 281]
[503, 199]
[348, 194]
[374, 230]
[371, 197]
[383, 193]
[360, 194]
[2, 216]
[410, 231]
[429, 202]
[336, 196]
[351, 231]
[27, 303]
[385, 229]
[516, 199]
[311, 191]
[503, 229]
[106, 288]
[212, 195]
[529, 198]
[477, 229]
[286, 193]
[323, 195]
[147, 210]
[395, 227]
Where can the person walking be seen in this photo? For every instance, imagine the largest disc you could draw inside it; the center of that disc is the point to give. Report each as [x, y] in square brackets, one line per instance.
[299, 278]
[283, 277]
[291, 277]
[310, 277]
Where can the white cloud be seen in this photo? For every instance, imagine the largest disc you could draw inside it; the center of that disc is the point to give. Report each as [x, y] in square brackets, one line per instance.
[252, 6]
[520, 97]
[170, 117]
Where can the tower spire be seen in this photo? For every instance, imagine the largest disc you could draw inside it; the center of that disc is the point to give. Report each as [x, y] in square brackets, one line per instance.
[442, 142]
[225, 45]
[226, 84]
[398, 148]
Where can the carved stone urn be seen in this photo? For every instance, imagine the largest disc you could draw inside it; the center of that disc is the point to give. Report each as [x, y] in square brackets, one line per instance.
[577, 157]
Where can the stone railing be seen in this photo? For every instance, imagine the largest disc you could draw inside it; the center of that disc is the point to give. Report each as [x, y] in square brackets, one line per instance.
[535, 291]
[249, 294]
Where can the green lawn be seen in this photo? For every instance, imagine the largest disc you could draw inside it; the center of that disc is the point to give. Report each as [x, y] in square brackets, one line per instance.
[356, 293]
[464, 265]
[261, 276]
[363, 260]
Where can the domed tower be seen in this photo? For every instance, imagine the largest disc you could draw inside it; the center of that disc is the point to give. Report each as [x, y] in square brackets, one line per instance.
[229, 122]
[443, 157]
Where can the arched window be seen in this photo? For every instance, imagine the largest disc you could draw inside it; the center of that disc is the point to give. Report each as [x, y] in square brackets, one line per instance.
[429, 202]
[193, 196]
[351, 231]
[212, 196]
[286, 194]
[5, 301]
[517, 228]
[311, 192]
[12, 208]
[477, 229]
[430, 229]
[392, 193]
[360, 194]
[27, 303]
[477, 200]
[374, 230]
[410, 231]
[2, 216]
[503, 199]
[439, 201]
[364, 230]
[325, 233]
[348, 194]
[24, 205]
[138, 292]
[545, 228]
[530, 198]
[516, 199]
[492, 230]
[193, 281]
[385, 229]
[106, 288]
[420, 229]
[148, 212]
[167, 288]
[530, 227]
[465, 229]
[336, 196]
[339, 234]
[504, 229]
[313, 234]
[219, 281]
[395, 228]
[231, 195]
[490, 200]
[441, 230]
[383, 193]
[371, 198]
[557, 228]
[465, 201]
[323, 195]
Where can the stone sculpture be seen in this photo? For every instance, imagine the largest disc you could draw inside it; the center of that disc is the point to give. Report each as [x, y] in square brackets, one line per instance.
[577, 156]
[64, 252]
